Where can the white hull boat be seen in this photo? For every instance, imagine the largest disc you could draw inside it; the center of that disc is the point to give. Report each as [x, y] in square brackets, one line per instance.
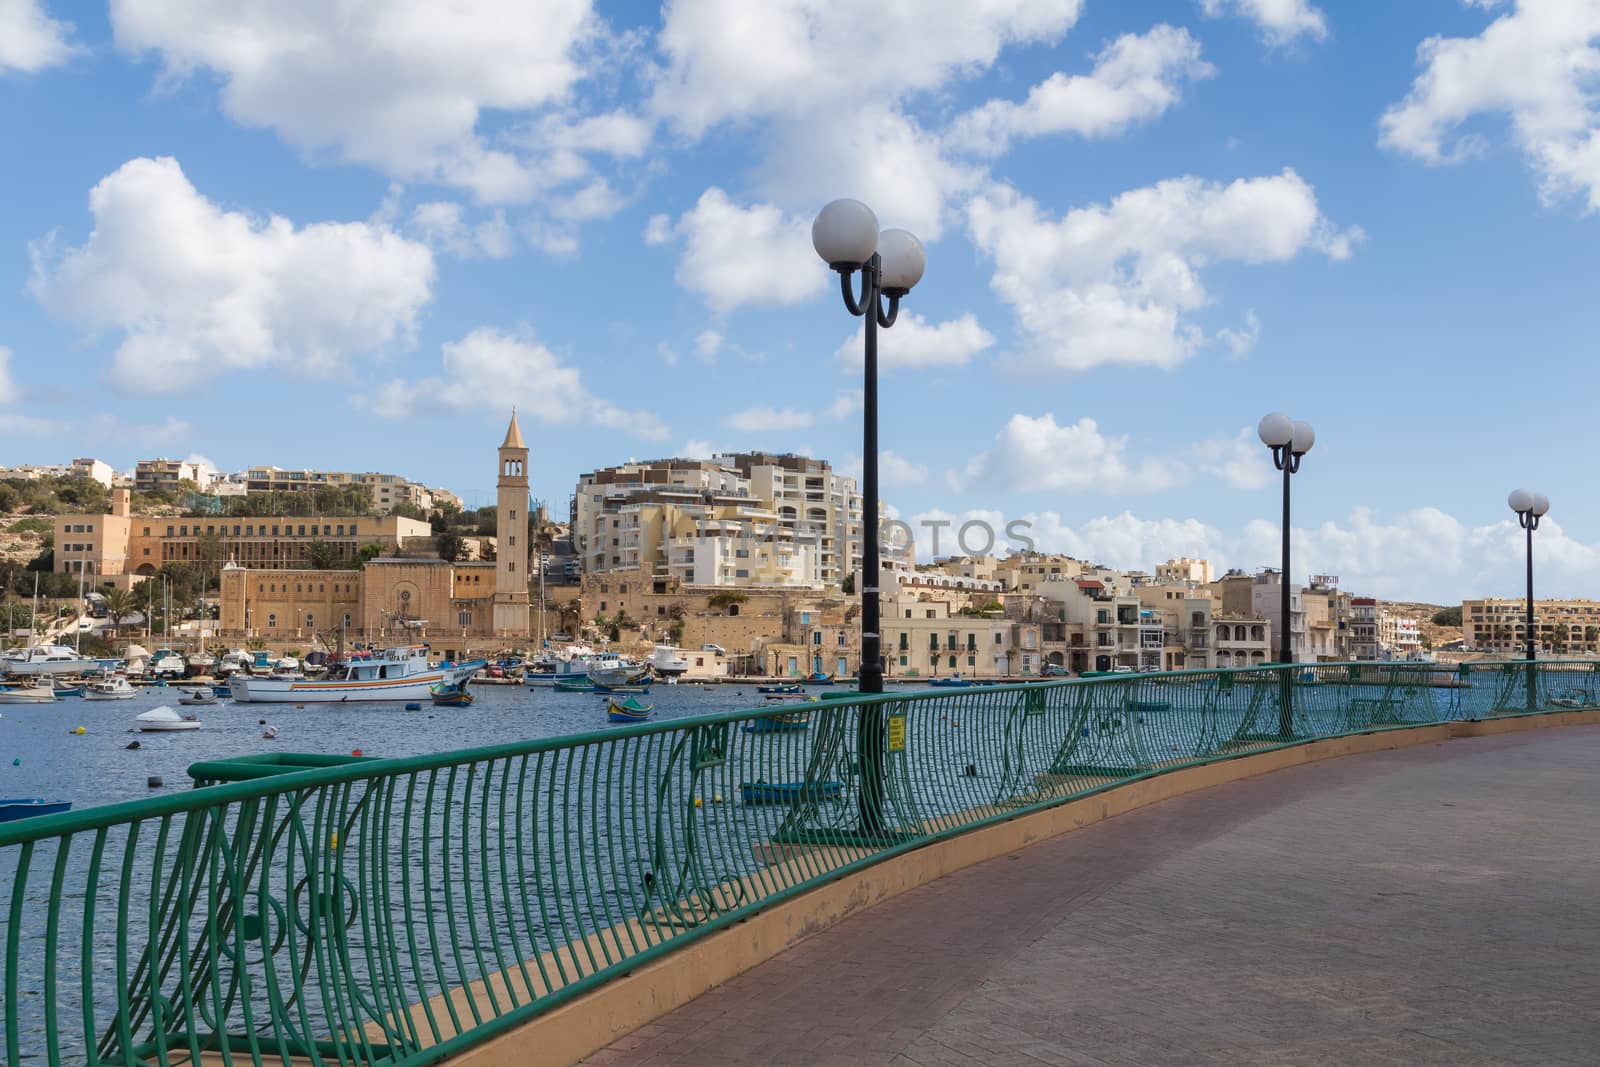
[668, 661]
[164, 720]
[198, 697]
[34, 694]
[393, 674]
[44, 660]
[115, 689]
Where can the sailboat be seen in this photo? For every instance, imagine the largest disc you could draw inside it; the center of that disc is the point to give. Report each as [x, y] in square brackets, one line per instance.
[42, 659]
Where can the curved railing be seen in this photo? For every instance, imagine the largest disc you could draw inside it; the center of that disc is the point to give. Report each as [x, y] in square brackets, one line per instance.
[400, 910]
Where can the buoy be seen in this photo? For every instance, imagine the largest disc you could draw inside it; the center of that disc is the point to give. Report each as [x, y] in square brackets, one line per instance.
[717, 799]
[17, 762]
[132, 745]
[954, 723]
[413, 707]
[261, 722]
[697, 802]
[154, 781]
[355, 752]
[79, 730]
[270, 733]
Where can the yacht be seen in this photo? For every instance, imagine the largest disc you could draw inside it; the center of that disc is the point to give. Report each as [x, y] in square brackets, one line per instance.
[45, 659]
[168, 663]
[611, 668]
[237, 660]
[391, 674]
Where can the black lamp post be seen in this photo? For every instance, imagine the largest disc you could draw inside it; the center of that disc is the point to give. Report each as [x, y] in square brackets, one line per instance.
[846, 236]
[1530, 508]
[1290, 441]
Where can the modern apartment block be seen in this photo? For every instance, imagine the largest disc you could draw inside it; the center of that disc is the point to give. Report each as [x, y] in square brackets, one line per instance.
[1266, 602]
[1363, 628]
[739, 520]
[1561, 626]
[1399, 636]
[387, 489]
[158, 475]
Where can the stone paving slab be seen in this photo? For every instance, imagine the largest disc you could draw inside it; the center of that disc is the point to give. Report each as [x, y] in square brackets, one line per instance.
[1438, 904]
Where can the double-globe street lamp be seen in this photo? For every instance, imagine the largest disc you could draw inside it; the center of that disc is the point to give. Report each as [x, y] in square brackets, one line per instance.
[1530, 508]
[846, 236]
[1289, 440]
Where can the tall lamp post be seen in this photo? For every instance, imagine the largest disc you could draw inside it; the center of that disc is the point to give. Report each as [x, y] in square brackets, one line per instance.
[1289, 440]
[1530, 508]
[846, 236]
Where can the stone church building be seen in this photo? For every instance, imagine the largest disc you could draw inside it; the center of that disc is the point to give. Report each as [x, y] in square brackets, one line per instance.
[405, 597]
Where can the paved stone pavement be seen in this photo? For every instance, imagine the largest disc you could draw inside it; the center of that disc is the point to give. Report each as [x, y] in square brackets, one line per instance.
[1439, 904]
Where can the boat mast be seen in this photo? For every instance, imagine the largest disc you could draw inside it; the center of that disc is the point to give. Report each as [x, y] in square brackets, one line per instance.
[33, 610]
[77, 640]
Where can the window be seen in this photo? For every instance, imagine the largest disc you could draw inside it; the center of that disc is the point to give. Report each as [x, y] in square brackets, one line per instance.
[511, 567]
[464, 619]
[952, 662]
[816, 637]
[147, 551]
[183, 531]
[841, 638]
[904, 643]
[311, 621]
[147, 531]
[972, 661]
[999, 640]
[513, 540]
[742, 572]
[908, 613]
[902, 661]
[89, 528]
[272, 621]
[274, 530]
[602, 605]
[261, 587]
[169, 531]
[347, 620]
[932, 614]
[513, 514]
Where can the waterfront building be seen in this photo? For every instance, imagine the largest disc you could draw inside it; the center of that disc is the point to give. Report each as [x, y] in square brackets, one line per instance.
[737, 520]
[1101, 620]
[924, 638]
[1363, 628]
[1562, 627]
[1398, 635]
[1266, 602]
[1243, 641]
[1184, 569]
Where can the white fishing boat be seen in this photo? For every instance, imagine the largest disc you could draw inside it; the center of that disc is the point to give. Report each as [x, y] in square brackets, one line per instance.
[168, 663]
[200, 696]
[164, 720]
[613, 669]
[391, 674]
[32, 693]
[45, 659]
[669, 662]
[111, 689]
[236, 660]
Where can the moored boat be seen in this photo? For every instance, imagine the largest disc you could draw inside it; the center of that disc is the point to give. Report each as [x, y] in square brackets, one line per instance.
[775, 690]
[27, 694]
[782, 723]
[164, 720]
[27, 807]
[574, 685]
[818, 679]
[955, 681]
[401, 674]
[201, 696]
[45, 659]
[63, 690]
[629, 710]
[451, 696]
[789, 792]
[118, 688]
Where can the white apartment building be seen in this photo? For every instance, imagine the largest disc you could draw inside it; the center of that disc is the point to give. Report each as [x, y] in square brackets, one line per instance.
[1184, 569]
[1399, 636]
[737, 519]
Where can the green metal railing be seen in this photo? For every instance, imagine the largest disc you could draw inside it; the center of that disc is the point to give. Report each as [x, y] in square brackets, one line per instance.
[400, 910]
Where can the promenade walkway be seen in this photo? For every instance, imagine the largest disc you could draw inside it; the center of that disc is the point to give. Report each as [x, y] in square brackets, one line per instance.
[1430, 905]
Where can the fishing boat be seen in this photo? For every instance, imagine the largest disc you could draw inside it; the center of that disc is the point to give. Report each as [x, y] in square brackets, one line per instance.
[668, 661]
[75, 690]
[604, 690]
[26, 808]
[390, 674]
[789, 792]
[27, 694]
[773, 724]
[223, 690]
[202, 696]
[44, 659]
[630, 710]
[164, 720]
[574, 685]
[818, 679]
[626, 673]
[167, 663]
[955, 681]
[784, 690]
[117, 688]
[451, 696]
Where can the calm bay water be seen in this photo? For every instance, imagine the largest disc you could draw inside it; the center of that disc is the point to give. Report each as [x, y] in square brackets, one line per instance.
[41, 757]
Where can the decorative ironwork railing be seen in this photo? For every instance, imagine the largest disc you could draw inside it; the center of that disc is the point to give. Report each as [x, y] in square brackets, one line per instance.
[399, 910]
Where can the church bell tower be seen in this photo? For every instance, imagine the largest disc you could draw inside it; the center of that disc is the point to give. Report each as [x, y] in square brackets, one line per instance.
[511, 535]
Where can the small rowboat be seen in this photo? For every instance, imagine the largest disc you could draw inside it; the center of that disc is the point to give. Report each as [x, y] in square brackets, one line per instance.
[606, 690]
[582, 685]
[69, 691]
[164, 720]
[451, 696]
[24, 808]
[789, 792]
[789, 720]
[786, 690]
[955, 681]
[630, 710]
[201, 697]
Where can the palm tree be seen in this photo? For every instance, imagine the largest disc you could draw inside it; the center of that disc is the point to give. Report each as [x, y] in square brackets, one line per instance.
[321, 555]
[119, 606]
[1561, 637]
[1589, 635]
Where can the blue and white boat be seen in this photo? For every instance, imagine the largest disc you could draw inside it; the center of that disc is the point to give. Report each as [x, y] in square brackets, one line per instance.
[399, 674]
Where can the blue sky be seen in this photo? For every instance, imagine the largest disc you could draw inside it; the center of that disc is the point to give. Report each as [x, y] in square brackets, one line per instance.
[314, 235]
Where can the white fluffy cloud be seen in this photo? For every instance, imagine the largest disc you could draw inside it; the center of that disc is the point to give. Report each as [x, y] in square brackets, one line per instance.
[326, 77]
[914, 343]
[1281, 21]
[1114, 283]
[31, 40]
[491, 369]
[443, 225]
[765, 419]
[1537, 66]
[897, 472]
[8, 384]
[1039, 454]
[195, 291]
[1136, 78]
[730, 59]
[735, 255]
[1238, 461]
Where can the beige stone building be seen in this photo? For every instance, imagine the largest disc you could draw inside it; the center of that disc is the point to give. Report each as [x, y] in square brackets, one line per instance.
[387, 490]
[1562, 627]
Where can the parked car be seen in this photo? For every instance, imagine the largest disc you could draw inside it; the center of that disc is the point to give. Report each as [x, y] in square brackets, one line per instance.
[718, 649]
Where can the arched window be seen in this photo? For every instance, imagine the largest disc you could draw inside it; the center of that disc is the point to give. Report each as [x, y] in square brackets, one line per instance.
[733, 609]
[272, 621]
[311, 621]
